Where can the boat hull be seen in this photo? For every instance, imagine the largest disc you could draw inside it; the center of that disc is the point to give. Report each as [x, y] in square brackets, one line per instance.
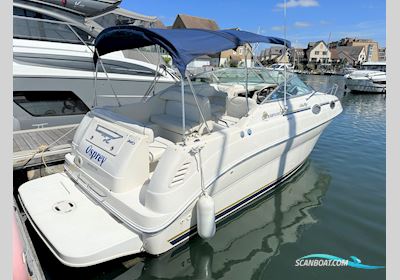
[231, 198]
[69, 245]
[365, 85]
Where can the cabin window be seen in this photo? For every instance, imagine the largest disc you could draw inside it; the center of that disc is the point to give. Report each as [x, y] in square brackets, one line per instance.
[31, 14]
[45, 30]
[50, 103]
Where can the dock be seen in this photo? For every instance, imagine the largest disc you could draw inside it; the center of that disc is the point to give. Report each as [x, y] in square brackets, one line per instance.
[35, 270]
[41, 146]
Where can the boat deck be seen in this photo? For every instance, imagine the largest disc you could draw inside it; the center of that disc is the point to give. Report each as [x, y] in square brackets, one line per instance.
[40, 146]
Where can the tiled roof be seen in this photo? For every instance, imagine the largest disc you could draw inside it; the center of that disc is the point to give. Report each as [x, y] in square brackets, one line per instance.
[194, 22]
[352, 51]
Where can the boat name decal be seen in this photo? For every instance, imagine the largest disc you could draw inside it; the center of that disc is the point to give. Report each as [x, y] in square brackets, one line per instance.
[93, 154]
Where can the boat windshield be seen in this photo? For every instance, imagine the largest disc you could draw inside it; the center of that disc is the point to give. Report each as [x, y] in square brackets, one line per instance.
[294, 87]
[235, 76]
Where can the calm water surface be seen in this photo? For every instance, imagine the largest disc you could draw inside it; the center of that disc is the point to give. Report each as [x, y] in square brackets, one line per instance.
[334, 205]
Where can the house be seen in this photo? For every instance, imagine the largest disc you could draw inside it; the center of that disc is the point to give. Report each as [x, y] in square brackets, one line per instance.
[318, 52]
[371, 46]
[349, 55]
[186, 21]
[273, 55]
[298, 57]
[234, 58]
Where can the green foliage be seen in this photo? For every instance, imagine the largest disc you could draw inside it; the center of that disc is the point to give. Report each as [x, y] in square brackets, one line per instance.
[167, 59]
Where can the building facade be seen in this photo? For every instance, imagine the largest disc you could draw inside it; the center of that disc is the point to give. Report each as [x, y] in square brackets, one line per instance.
[371, 46]
[273, 55]
[235, 58]
[382, 54]
[318, 52]
[348, 55]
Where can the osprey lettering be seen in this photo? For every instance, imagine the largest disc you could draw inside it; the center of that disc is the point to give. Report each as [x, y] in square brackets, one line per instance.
[94, 155]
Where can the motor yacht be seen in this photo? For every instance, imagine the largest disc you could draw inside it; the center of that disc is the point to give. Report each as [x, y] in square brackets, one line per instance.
[147, 176]
[53, 72]
[371, 78]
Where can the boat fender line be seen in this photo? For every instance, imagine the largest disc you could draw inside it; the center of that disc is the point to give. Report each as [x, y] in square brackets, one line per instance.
[205, 206]
[205, 216]
[195, 151]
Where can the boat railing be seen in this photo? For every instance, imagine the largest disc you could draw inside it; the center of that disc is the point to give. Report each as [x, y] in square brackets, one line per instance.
[332, 90]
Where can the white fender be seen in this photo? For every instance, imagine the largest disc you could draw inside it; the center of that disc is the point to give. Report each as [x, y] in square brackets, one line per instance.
[206, 216]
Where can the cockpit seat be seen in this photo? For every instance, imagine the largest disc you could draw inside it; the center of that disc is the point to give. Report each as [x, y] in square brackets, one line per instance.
[237, 106]
[171, 120]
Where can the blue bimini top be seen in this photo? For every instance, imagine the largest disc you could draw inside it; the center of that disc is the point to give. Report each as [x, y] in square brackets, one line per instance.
[183, 45]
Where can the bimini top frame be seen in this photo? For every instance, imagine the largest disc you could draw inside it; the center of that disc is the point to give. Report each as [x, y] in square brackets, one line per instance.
[184, 45]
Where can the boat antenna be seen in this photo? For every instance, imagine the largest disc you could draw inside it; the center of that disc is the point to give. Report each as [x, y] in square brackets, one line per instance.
[284, 55]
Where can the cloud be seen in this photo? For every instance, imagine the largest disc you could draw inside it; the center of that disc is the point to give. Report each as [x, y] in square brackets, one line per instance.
[298, 3]
[278, 28]
[324, 22]
[301, 24]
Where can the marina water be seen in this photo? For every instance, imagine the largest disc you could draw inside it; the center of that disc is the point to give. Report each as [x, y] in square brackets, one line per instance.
[334, 205]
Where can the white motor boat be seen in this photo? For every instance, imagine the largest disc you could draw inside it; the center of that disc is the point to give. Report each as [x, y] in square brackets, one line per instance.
[371, 78]
[145, 177]
[53, 72]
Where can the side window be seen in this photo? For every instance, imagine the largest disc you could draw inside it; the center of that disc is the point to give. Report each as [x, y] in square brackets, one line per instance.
[89, 39]
[31, 14]
[26, 28]
[50, 103]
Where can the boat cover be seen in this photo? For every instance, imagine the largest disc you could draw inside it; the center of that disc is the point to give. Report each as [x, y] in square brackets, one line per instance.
[183, 45]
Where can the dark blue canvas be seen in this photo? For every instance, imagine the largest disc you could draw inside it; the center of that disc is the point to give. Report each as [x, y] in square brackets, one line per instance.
[183, 45]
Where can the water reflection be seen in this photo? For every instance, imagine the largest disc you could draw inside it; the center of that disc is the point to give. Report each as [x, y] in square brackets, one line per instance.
[247, 241]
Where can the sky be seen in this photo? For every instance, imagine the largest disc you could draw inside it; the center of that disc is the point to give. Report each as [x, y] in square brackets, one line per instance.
[306, 20]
